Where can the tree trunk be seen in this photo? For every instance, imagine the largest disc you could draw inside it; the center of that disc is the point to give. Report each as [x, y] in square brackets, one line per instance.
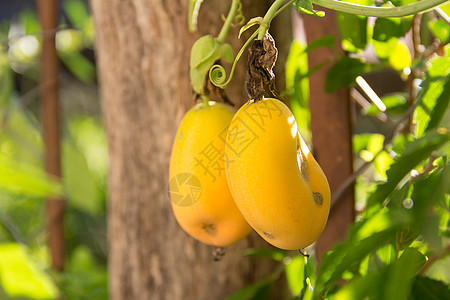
[143, 51]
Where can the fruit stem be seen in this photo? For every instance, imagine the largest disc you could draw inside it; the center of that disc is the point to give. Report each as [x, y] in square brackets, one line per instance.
[205, 99]
[270, 14]
[226, 26]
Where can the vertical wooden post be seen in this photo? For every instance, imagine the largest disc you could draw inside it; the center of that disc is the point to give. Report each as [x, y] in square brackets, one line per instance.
[48, 15]
[331, 133]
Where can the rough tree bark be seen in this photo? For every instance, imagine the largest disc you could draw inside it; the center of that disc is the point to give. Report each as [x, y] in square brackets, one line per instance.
[143, 57]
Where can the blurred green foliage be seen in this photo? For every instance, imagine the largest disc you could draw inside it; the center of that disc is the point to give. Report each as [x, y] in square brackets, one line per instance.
[24, 185]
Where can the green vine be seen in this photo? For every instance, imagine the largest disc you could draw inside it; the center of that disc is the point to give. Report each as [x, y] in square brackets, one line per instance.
[217, 73]
[384, 12]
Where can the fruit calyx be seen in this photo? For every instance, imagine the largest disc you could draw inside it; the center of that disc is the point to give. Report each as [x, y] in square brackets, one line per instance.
[259, 74]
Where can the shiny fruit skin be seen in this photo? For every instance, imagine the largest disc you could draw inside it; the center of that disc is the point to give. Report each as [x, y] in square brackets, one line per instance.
[209, 213]
[274, 179]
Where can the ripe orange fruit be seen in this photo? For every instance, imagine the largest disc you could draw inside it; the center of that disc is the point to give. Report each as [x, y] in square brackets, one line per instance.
[274, 179]
[200, 197]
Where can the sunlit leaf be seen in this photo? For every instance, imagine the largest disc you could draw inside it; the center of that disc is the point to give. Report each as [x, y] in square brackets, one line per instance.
[440, 29]
[295, 274]
[353, 31]
[434, 97]
[414, 153]
[22, 178]
[391, 282]
[400, 57]
[365, 237]
[20, 275]
[306, 7]
[440, 270]
[396, 104]
[384, 49]
[194, 8]
[400, 276]
[297, 86]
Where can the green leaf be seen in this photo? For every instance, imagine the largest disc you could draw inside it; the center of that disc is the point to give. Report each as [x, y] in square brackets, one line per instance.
[353, 31]
[441, 106]
[384, 49]
[77, 12]
[226, 52]
[328, 41]
[440, 29]
[400, 276]
[362, 287]
[6, 79]
[253, 21]
[297, 86]
[272, 253]
[386, 28]
[204, 54]
[434, 97]
[391, 282]
[306, 7]
[400, 58]
[80, 66]
[365, 237]
[396, 104]
[194, 8]
[430, 191]
[21, 276]
[22, 178]
[425, 288]
[78, 180]
[414, 153]
[257, 291]
[295, 274]
[29, 22]
[344, 73]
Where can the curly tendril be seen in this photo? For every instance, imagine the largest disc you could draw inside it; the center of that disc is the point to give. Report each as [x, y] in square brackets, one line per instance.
[239, 19]
[217, 73]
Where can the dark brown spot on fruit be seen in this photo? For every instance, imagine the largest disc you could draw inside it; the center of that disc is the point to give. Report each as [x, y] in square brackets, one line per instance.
[209, 228]
[318, 198]
[268, 235]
